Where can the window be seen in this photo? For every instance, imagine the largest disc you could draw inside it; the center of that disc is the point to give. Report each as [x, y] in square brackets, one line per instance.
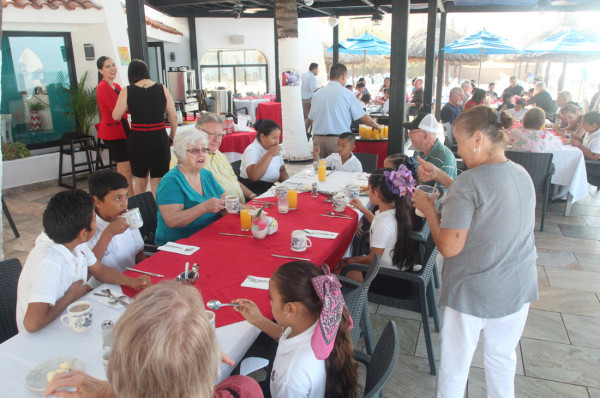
[35, 68]
[241, 71]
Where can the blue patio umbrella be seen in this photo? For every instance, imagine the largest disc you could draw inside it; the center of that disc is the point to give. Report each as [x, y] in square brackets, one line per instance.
[568, 42]
[365, 44]
[482, 43]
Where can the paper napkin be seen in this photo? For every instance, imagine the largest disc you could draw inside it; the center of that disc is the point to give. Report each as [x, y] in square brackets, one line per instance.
[256, 282]
[178, 248]
[315, 233]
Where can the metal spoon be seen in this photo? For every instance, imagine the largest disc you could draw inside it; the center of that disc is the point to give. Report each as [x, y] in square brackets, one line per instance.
[216, 304]
[112, 296]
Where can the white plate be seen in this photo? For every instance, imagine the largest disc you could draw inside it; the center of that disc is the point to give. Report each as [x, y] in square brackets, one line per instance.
[36, 378]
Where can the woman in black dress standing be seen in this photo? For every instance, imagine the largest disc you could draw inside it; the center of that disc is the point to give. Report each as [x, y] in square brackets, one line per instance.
[148, 144]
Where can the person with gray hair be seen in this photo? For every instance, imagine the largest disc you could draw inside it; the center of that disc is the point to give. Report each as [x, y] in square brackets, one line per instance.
[542, 99]
[216, 162]
[166, 327]
[452, 108]
[188, 197]
[467, 88]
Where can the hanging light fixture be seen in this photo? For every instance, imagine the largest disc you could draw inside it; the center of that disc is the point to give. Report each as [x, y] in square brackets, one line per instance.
[377, 18]
[309, 2]
[333, 21]
[238, 10]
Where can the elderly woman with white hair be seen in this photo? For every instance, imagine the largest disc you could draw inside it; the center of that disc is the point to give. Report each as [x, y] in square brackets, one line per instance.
[164, 346]
[189, 198]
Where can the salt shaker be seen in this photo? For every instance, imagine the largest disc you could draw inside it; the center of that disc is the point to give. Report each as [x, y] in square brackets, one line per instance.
[314, 192]
[107, 334]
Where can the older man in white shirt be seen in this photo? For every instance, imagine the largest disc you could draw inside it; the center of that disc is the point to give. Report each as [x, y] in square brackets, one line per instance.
[308, 88]
[332, 111]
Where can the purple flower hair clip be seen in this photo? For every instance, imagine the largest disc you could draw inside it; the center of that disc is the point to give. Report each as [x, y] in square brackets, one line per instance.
[400, 182]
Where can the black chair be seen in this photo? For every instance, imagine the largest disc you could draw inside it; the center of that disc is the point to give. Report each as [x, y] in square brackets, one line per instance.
[9, 279]
[70, 145]
[368, 161]
[381, 364]
[593, 172]
[10, 219]
[411, 291]
[541, 169]
[236, 167]
[355, 296]
[149, 210]
[99, 161]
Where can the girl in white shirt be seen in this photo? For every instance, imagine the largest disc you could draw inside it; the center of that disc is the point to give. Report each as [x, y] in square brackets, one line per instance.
[262, 163]
[305, 364]
[390, 225]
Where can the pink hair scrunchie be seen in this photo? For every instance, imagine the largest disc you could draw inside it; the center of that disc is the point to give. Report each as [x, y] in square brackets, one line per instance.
[328, 288]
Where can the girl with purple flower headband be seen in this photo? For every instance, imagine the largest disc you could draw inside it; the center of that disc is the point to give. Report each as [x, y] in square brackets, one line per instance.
[390, 233]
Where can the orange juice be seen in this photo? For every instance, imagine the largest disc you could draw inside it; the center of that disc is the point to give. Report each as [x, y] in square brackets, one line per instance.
[322, 170]
[292, 198]
[245, 219]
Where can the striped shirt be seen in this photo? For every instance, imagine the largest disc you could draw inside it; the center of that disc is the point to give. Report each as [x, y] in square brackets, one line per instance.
[220, 168]
[440, 156]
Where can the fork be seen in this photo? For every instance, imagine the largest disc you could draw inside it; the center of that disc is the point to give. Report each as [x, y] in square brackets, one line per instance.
[255, 279]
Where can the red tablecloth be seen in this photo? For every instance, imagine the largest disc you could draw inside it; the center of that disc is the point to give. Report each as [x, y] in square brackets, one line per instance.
[237, 142]
[269, 110]
[379, 148]
[225, 261]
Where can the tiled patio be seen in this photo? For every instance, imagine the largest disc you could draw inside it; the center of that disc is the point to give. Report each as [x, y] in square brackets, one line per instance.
[559, 354]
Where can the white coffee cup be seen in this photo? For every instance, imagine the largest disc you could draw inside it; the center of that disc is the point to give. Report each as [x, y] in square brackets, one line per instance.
[232, 204]
[211, 318]
[430, 191]
[133, 218]
[353, 191]
[78, 316]
[299, 241]
[339, 203]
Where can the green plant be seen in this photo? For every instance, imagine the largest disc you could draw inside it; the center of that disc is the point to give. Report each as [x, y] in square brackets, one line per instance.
[14, 150]
[84, 104]
[36, 106]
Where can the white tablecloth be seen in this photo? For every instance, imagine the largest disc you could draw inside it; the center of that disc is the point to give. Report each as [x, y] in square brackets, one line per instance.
[250, 105]
[570, 171]
[25, 351]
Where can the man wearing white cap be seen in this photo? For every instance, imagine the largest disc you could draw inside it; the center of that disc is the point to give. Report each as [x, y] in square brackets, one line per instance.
[422, 132]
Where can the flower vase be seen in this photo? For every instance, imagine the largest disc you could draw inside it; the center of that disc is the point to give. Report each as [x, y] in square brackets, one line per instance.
[260, 226]
[36, 122]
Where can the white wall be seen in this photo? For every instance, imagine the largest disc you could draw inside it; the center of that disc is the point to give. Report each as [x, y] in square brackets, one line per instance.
[180, 45]
[214, 33]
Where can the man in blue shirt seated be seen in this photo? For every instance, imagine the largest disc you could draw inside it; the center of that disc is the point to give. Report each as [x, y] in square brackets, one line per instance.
[422, 133]
[452, 109]
[332, 111]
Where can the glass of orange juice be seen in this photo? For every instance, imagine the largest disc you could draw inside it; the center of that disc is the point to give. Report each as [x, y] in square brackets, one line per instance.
[322, 170]
[292, 198]
[246, 219]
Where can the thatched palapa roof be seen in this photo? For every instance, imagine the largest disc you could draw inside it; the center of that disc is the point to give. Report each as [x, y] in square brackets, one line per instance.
[417, 43]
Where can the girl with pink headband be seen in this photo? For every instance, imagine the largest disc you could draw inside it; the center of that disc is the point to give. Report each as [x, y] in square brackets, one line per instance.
[315, 354]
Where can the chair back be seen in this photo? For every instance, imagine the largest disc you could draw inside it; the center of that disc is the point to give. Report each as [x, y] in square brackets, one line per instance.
[149, 210]
[236, 167]
[538, 165]
[449, 139]
[383, 361]
[357, 298]
[368, 161]
[593, 172]
[9, 279]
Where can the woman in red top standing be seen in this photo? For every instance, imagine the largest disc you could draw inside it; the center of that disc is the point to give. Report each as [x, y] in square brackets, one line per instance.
[112, 132]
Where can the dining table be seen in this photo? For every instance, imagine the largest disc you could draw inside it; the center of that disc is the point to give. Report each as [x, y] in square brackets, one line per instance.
[250, 105]
[570, 171]
[376, 147]
[224, 263]
[269, 110]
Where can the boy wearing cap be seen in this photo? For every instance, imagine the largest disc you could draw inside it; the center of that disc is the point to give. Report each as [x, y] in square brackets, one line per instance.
[422, 132]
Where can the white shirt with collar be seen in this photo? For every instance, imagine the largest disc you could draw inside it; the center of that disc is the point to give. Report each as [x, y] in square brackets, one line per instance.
[333, 109]
[122, 249]
[296, 370]
[384, 233]
[352, 165]
[309, 85]
[592, 141]
[49, 271]
[253, 154]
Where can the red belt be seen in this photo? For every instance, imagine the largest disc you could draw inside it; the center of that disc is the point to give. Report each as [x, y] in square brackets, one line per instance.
[147, 127]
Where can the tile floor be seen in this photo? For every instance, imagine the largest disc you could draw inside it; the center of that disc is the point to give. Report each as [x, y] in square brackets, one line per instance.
[559, 353]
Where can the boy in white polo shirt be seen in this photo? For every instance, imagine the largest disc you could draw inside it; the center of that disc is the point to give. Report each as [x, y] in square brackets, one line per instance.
[114, 243]
[344, 160]
[55, 272]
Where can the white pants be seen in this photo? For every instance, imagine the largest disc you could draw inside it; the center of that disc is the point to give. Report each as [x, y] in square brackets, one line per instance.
[459, 335]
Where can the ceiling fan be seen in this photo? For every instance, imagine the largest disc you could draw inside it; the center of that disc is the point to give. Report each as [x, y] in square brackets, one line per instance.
[239, 10]
[376, 18]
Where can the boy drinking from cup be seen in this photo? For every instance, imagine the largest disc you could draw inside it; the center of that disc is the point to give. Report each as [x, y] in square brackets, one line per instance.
[114, 242]
[344, 160]
[55, 272]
